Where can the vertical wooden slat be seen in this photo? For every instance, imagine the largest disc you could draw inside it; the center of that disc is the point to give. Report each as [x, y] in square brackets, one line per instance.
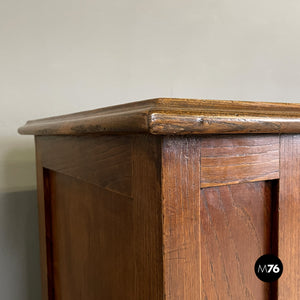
[274, 232]
[42, 194]
[289, 217]
[181, 217]
[146, 191]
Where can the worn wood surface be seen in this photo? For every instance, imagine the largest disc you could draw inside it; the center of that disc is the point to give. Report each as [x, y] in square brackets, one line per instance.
[289, 217]
[239, 158]
[92, 241]
[181, 217]
[235, 232]
[174, 116]
[146, 191]
[99, 161]
[168, 217]
[45, 250]
[96, 240]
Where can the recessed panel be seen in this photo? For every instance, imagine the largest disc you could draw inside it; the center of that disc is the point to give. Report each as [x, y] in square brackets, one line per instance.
[91, 237]
[236, 229]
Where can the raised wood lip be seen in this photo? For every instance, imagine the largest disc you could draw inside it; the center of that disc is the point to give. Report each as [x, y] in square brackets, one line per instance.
[174, 116]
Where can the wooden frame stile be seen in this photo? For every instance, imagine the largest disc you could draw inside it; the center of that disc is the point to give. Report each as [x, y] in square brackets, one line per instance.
[181, 217]
[44, 227]
[289, 216]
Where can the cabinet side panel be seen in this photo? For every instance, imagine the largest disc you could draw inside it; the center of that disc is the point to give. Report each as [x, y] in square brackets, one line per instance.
[289, 217]
[100, 240]
[181, 217]
[235, 232]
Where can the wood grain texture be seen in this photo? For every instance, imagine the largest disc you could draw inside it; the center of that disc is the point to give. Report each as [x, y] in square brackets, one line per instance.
[92, 241]
[96, 160]
[235, 231]
[181, 217]
[146, 182]
[176, 217]
[97, 243]
[45, 254]
[235, 159]
[174, 116]
[289, 217]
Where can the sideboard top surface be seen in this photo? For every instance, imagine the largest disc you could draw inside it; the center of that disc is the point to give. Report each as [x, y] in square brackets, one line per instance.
[174, 116]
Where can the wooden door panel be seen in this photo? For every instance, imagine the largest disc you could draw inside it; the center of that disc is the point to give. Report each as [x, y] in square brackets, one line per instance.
[220, 202]
[236, 229]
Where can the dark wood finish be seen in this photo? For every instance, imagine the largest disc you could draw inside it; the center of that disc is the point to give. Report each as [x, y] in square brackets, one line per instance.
[235, 231]
[274, 231]
[146, 183]
[110, 159]
[289, 217]
[45, 254]
[49, 236]
[168, 199]
[235, 159]
[88, 224]
[94, 237]
[181, 222]
[175, 116]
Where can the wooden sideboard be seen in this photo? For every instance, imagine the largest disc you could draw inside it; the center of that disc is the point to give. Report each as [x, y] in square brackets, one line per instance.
[169, 199]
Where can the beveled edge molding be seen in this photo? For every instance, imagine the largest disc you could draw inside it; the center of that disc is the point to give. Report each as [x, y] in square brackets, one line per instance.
[164, 116]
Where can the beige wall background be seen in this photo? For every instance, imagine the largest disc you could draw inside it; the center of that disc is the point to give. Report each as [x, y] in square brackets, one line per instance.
[64, 56]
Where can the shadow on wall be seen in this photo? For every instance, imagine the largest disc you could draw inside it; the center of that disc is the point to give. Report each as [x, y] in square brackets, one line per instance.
[19, 241]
